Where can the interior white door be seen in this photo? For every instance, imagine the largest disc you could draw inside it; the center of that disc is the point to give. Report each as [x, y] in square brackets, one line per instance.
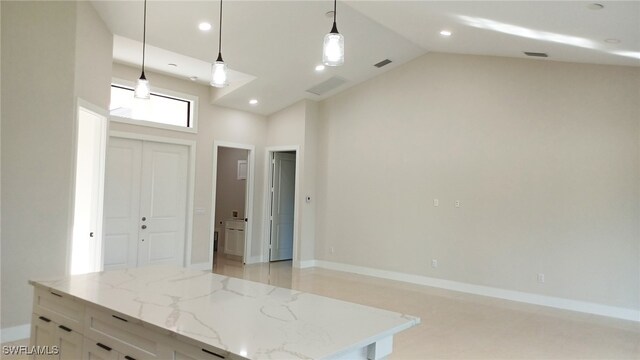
[86, 246]
[122, 203]
[282, 206]
[145, 203]
[163, 204]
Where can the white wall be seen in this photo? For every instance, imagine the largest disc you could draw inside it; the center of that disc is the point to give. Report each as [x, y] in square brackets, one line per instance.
[40, 80]
[230, 191]
[214, 123]
[544, 157]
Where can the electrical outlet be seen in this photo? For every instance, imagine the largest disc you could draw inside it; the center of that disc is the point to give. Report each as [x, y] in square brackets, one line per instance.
[434, 263]
[541, 278]
[436, 203]
[457, 203]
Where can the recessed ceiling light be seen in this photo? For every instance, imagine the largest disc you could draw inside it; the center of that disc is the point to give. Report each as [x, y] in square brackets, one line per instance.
[193, 78]
[612, 41]
[595, 6]
[319, 67]
[253, 102]
[445, 33]
[204, 26]
[173, 65]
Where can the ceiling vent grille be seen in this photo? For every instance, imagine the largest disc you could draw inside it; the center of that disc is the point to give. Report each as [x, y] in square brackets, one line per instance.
[536, 54]
[382, 63]
[327, 85]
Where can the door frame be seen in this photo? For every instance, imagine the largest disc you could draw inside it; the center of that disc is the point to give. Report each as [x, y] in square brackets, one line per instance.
[191, 177]
[268, 174]
[104, 114]
[248, 200]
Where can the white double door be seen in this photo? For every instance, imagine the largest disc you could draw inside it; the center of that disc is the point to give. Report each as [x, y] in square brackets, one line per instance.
[145, 203]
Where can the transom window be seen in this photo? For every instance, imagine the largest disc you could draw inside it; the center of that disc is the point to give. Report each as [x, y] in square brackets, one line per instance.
[161, 110]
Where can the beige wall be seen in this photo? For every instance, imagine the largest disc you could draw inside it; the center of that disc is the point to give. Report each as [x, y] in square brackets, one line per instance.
[230, 191]
[293, 126]
[40, 80]
[214, 123]
[544, 157]
[93, 61]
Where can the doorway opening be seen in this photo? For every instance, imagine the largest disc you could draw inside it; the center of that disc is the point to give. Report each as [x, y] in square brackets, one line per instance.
[232, 203]
[282, 197]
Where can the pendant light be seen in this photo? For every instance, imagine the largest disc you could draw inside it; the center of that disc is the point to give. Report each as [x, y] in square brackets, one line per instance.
[333, 49]
[142, 90]
[219, 68]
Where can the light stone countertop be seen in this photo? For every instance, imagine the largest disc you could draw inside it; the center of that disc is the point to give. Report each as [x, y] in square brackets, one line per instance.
[250, 319]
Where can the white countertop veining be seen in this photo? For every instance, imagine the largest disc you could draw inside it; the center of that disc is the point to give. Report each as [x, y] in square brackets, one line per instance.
[250, 319]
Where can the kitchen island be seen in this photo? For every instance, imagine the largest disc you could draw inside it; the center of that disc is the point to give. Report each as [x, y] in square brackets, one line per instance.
[174, 313]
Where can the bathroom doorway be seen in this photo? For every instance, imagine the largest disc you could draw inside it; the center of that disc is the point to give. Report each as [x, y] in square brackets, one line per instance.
[232, 202]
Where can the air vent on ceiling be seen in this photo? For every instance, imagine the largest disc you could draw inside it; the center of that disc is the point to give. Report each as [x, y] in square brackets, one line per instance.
[382, 63]
[536, 54]
[327, 85]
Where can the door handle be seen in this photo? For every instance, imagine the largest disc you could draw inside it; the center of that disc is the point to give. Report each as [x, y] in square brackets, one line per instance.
[91, 234]
[144, 227]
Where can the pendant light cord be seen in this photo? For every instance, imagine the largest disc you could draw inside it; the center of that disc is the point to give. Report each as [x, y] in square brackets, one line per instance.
[220, 35]
[334, 29]
[144, 36]
[334, 10]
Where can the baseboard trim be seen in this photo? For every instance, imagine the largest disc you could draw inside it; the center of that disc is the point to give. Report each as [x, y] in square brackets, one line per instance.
[529, 298]
[307, 264]
[15, 333]
[201, 266]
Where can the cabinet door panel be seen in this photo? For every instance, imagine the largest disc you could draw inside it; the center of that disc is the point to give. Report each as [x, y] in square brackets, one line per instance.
[91, 351]
[43, 335]
[70, 343]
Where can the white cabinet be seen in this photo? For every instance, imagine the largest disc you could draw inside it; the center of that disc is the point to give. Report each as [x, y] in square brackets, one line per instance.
[55, 340]
[234, 237]
[71, 330]
[56, 325]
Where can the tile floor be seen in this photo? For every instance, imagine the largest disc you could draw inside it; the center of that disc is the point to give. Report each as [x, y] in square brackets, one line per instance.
[457, 325]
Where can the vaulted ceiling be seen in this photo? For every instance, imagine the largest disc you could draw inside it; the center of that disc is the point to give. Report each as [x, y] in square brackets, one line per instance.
[273, 47]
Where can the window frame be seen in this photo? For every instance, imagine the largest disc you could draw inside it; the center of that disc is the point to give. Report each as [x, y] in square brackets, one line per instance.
[157, 91]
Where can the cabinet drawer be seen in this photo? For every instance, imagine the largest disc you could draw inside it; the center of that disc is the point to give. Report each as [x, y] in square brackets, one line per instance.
[120, 334]
[59, 308]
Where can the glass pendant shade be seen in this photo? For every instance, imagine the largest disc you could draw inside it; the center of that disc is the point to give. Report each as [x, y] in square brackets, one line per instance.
[333, 49]
[219, 76]
[142, 90]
